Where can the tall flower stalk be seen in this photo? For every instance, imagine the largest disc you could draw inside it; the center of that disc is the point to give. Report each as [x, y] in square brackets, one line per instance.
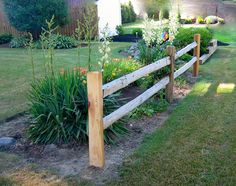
[104, 48]
[30, 50]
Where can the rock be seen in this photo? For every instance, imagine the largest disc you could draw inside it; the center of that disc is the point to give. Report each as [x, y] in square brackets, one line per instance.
[7, 141]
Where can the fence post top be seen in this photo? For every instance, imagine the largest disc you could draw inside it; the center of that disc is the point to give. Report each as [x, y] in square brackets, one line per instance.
[171, 50]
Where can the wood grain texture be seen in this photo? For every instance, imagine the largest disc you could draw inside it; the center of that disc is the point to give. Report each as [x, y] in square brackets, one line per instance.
[170, 86]
[185, 50]
[95, 114]
[185, 67]
[127, 108]
[126, 80]
[197, 39]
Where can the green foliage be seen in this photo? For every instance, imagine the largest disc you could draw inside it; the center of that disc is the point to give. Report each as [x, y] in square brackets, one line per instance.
[61, 42]
[157, 8]
[59, 107]
[19, 42]
[30, 15]
[127, 13]
[150, 54]
[221, 20]
[120, 30]
[5, 38]
[186, 57]
[186, 35]
[151, 107]
[119, 68]
[200, 20]
[188, 21]
[137, 32]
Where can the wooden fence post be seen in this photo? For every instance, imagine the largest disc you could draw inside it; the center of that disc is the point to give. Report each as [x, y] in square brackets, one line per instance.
[95, 114]
[170, 87]
[197, 38]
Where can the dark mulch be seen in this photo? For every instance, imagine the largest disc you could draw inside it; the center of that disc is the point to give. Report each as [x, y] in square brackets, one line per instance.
[220, 43]
[126, 38]
[6, 45]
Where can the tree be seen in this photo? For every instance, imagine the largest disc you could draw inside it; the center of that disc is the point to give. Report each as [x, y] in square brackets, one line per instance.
[31, 15]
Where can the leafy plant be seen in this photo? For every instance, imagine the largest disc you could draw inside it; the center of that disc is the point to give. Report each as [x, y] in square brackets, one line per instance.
[30, 15]
[137, 32]
[19, 42]
[151, 107]
[186, 35]
[5, 38]
[200, 20]
[61, 42]
[118, 68]
[59, 107]
[211, 19]
[120, 30]
[127, 13]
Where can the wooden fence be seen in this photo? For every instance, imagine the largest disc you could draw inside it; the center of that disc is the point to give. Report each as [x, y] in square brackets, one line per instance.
[97, 91]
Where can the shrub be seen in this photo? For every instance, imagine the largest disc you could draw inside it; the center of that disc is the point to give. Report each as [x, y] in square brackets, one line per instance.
[188, 21]
[60, 107]
[120, 30]
[119, 68]
[60, 42]
[221, 20]
[149, 54]
[19, 42]
[200, 20]
[186, 35]
[5, 38]
[18, 12]
[137, 31]
[127, 13]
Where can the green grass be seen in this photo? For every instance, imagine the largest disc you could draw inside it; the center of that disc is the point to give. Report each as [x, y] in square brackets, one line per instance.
[128, 27]
[225, 33]
[16, 73]
[197, 145]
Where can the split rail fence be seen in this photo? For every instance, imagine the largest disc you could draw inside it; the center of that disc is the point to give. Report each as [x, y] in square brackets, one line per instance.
[97, 91]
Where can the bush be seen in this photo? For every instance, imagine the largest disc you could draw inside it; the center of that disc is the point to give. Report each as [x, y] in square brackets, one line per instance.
[19, 42]
[127, 13]
[200, 20]
[148, 54]
[119, 68]
[138, 32]
[188, 21]
[60, 107]
[5, 38]
[59, 42]
[120, 30]
[186, 35]
[221, 20]
[30, 15]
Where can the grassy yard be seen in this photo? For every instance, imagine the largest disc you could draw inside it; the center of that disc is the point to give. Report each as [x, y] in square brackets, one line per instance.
[16, 73]
[197, 145]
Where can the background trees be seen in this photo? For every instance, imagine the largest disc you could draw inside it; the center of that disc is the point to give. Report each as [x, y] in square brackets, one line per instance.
[30, 15]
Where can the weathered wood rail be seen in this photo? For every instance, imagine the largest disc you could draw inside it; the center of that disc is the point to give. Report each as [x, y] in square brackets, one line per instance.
[97, 91]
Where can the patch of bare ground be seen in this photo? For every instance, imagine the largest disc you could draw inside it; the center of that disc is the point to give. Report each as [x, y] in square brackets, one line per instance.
[69, 160]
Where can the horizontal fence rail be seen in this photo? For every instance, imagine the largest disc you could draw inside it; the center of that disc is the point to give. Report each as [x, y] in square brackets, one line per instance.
[185, 67]
[186, 50]
[126, 80]
[127, 108]
[96, 93]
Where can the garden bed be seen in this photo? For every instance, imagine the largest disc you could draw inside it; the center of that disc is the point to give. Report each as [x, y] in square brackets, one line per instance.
[126, 38]
[72, 159]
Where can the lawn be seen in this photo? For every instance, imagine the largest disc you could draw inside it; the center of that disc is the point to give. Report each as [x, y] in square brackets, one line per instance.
[16, 73]
[197, 145]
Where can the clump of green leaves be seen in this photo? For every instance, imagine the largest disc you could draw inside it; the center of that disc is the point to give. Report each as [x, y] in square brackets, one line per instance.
[151, 107]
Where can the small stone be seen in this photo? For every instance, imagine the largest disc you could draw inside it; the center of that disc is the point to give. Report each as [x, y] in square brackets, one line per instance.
[50, 149]
[7, 141]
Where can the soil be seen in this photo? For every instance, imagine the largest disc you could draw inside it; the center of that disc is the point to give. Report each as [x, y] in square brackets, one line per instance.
[68, 160]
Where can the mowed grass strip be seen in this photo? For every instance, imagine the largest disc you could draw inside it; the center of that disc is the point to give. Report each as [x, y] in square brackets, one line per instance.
[197, 145]
[16, 72]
